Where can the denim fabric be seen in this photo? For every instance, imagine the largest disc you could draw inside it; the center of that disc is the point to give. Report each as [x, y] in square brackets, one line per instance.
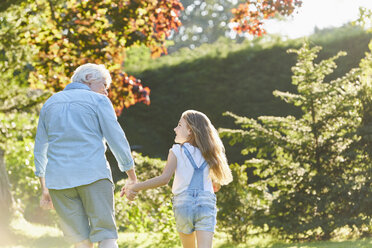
[197, 177]
[195, 209]
[70, 142]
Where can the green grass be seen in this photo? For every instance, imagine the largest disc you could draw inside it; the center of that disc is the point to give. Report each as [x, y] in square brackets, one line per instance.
[25, 234]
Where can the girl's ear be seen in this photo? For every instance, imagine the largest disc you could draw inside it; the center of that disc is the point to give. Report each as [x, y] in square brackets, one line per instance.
[189, 131]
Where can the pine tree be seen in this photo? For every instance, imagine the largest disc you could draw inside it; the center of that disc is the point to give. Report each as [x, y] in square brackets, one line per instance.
[314, 173]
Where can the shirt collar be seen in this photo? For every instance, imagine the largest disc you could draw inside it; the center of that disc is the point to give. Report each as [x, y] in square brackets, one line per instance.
[75, 85]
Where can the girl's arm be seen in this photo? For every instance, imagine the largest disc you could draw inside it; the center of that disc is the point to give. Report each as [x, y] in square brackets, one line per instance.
[161, 180]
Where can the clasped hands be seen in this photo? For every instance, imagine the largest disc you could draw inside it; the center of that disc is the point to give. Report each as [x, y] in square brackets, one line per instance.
[128, 191]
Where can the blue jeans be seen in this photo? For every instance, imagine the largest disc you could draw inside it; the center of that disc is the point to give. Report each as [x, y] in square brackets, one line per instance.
[195, 210]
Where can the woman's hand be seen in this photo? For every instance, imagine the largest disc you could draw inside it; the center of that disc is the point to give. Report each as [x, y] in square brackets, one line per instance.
[46, 200]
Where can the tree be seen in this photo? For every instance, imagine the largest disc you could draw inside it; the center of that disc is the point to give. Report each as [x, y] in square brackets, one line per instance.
[76, 32]
[365, 132]
[43, 41]
[70, 33]
[250, 15]
[17, 113]
[315, 174]
[206, 21]
[365, 18]
[202, 22]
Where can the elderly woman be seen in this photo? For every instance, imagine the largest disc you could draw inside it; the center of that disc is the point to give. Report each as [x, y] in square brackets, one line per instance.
[70, 161]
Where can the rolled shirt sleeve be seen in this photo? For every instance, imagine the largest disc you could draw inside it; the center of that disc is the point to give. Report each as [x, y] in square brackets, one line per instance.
[114, 134]
[41, 147]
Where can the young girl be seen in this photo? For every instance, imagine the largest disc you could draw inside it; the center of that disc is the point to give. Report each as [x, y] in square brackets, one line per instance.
[200, 167]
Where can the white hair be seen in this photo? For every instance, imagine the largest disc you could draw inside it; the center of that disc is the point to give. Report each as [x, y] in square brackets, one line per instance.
[91, 72]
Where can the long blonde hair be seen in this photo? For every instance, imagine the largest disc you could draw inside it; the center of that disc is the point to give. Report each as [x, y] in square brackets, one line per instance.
[206, 138]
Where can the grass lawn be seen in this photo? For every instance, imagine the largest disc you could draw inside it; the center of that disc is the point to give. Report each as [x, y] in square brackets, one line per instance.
[25, 234]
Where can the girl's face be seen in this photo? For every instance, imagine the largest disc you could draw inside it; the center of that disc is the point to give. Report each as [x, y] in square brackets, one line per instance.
[182, 132]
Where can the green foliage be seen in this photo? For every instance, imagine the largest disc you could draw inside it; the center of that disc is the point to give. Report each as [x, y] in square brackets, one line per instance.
[152, 209]
[202, 22]
[71, 33]
[54, 37]
[315, 175]
[224, 76]
[18, 110]
[235, 204]
[15, 67]
[365, 18]
[5, 4]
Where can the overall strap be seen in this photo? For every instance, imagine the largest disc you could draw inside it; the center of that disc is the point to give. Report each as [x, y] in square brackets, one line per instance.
[188, 154]
[197, 181]
[204, 164]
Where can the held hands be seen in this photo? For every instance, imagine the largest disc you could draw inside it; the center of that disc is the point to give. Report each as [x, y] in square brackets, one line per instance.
[129, 190]
[46, 200]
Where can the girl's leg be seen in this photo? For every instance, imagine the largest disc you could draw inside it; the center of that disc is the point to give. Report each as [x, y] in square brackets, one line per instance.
[84, 244]
[204, 239]
[188, 240]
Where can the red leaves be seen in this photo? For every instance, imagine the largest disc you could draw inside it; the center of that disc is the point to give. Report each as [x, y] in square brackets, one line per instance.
[251, 25]
[127, 92]
[140, 93]
[164, 18]
[249, 16]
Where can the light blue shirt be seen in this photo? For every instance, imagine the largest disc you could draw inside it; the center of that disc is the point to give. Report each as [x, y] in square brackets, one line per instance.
[74, 125]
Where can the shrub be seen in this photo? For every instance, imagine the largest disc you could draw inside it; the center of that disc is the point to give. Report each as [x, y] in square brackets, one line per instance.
[316, 167]
[152, 209]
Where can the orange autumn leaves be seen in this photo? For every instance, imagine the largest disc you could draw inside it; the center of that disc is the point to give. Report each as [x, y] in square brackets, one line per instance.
[99, 31]
[132, 89]
[249, 16]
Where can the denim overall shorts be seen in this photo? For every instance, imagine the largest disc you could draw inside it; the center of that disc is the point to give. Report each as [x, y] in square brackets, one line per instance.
[195, 209]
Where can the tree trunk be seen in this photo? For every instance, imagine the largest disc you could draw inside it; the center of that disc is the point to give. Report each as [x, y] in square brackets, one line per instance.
[6, 199]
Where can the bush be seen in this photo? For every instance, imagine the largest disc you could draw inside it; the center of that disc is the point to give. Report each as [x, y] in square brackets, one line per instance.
[316, 167]
[152, 209]
[235, 208]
